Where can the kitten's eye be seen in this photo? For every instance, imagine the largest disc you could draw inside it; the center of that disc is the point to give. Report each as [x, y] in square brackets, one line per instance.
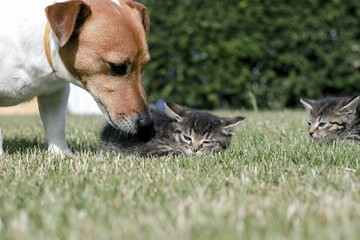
[309, 124]
[118, 69]
[206, 142]
[187, 138]
[322, 124]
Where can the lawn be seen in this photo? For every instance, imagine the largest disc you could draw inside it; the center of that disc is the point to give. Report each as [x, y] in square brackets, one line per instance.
[273, 183]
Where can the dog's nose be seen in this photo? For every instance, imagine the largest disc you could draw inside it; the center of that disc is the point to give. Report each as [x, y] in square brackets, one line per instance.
[145, 122]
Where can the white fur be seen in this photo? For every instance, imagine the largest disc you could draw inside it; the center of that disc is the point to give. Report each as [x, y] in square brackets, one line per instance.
[25, 72]
[116, 1]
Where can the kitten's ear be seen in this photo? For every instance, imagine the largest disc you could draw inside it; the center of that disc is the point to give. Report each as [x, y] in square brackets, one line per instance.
[230, 124]
[174, 111]
[350, 107]
[307, 103]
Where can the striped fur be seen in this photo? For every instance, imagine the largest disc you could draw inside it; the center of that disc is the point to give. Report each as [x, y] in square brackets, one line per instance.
[178, 130]
[333, 118]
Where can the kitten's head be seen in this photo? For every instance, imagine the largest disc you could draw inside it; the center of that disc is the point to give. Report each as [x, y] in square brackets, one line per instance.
[331, 118]
[198, 132]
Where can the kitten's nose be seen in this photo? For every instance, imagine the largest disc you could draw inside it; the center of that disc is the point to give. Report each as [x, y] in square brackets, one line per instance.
[312, 131]
[196, 147]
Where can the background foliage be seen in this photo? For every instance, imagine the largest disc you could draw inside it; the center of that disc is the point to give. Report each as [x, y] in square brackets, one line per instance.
[242, 53]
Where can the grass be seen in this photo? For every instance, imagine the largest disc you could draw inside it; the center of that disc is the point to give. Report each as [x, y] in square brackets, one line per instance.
[273, 183]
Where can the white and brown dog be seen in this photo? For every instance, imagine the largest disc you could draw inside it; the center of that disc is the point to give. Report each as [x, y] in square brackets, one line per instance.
[99, 45]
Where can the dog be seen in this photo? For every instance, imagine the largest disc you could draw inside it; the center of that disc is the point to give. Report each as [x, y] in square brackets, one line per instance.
[99, 45]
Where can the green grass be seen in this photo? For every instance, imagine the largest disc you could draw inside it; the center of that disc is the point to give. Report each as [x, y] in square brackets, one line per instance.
[273, 183]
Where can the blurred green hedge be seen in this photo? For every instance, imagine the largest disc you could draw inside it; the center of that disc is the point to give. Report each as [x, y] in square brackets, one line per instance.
[247, 53]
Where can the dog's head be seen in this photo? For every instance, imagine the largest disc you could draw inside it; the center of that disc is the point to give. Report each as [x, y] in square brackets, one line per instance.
[103, 44]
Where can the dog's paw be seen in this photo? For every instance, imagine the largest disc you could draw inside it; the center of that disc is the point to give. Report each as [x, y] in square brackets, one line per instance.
[59, 151]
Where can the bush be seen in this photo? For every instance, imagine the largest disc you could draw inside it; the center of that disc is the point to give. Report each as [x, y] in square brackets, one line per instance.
[220, 54]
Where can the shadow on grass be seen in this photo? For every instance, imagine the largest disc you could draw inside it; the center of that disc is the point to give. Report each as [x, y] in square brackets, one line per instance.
[82, 147]
[23, 145]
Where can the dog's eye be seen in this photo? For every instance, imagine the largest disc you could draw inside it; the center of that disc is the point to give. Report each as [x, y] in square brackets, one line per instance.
[118, 69]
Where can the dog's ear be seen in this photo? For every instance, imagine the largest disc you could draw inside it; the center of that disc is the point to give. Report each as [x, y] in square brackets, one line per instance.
[141, 9]
[66, 18]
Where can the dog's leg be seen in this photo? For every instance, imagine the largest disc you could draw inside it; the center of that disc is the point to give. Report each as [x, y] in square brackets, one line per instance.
[52, 110]
[1, 142]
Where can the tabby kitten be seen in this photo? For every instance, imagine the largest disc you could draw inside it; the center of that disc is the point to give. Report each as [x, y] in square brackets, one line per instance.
[177, 130]
[333, 118]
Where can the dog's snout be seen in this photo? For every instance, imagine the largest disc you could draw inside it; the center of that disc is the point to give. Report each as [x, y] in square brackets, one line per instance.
[145, 122]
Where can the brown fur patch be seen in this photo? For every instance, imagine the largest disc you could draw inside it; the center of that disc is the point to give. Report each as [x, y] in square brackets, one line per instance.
[110, 34]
